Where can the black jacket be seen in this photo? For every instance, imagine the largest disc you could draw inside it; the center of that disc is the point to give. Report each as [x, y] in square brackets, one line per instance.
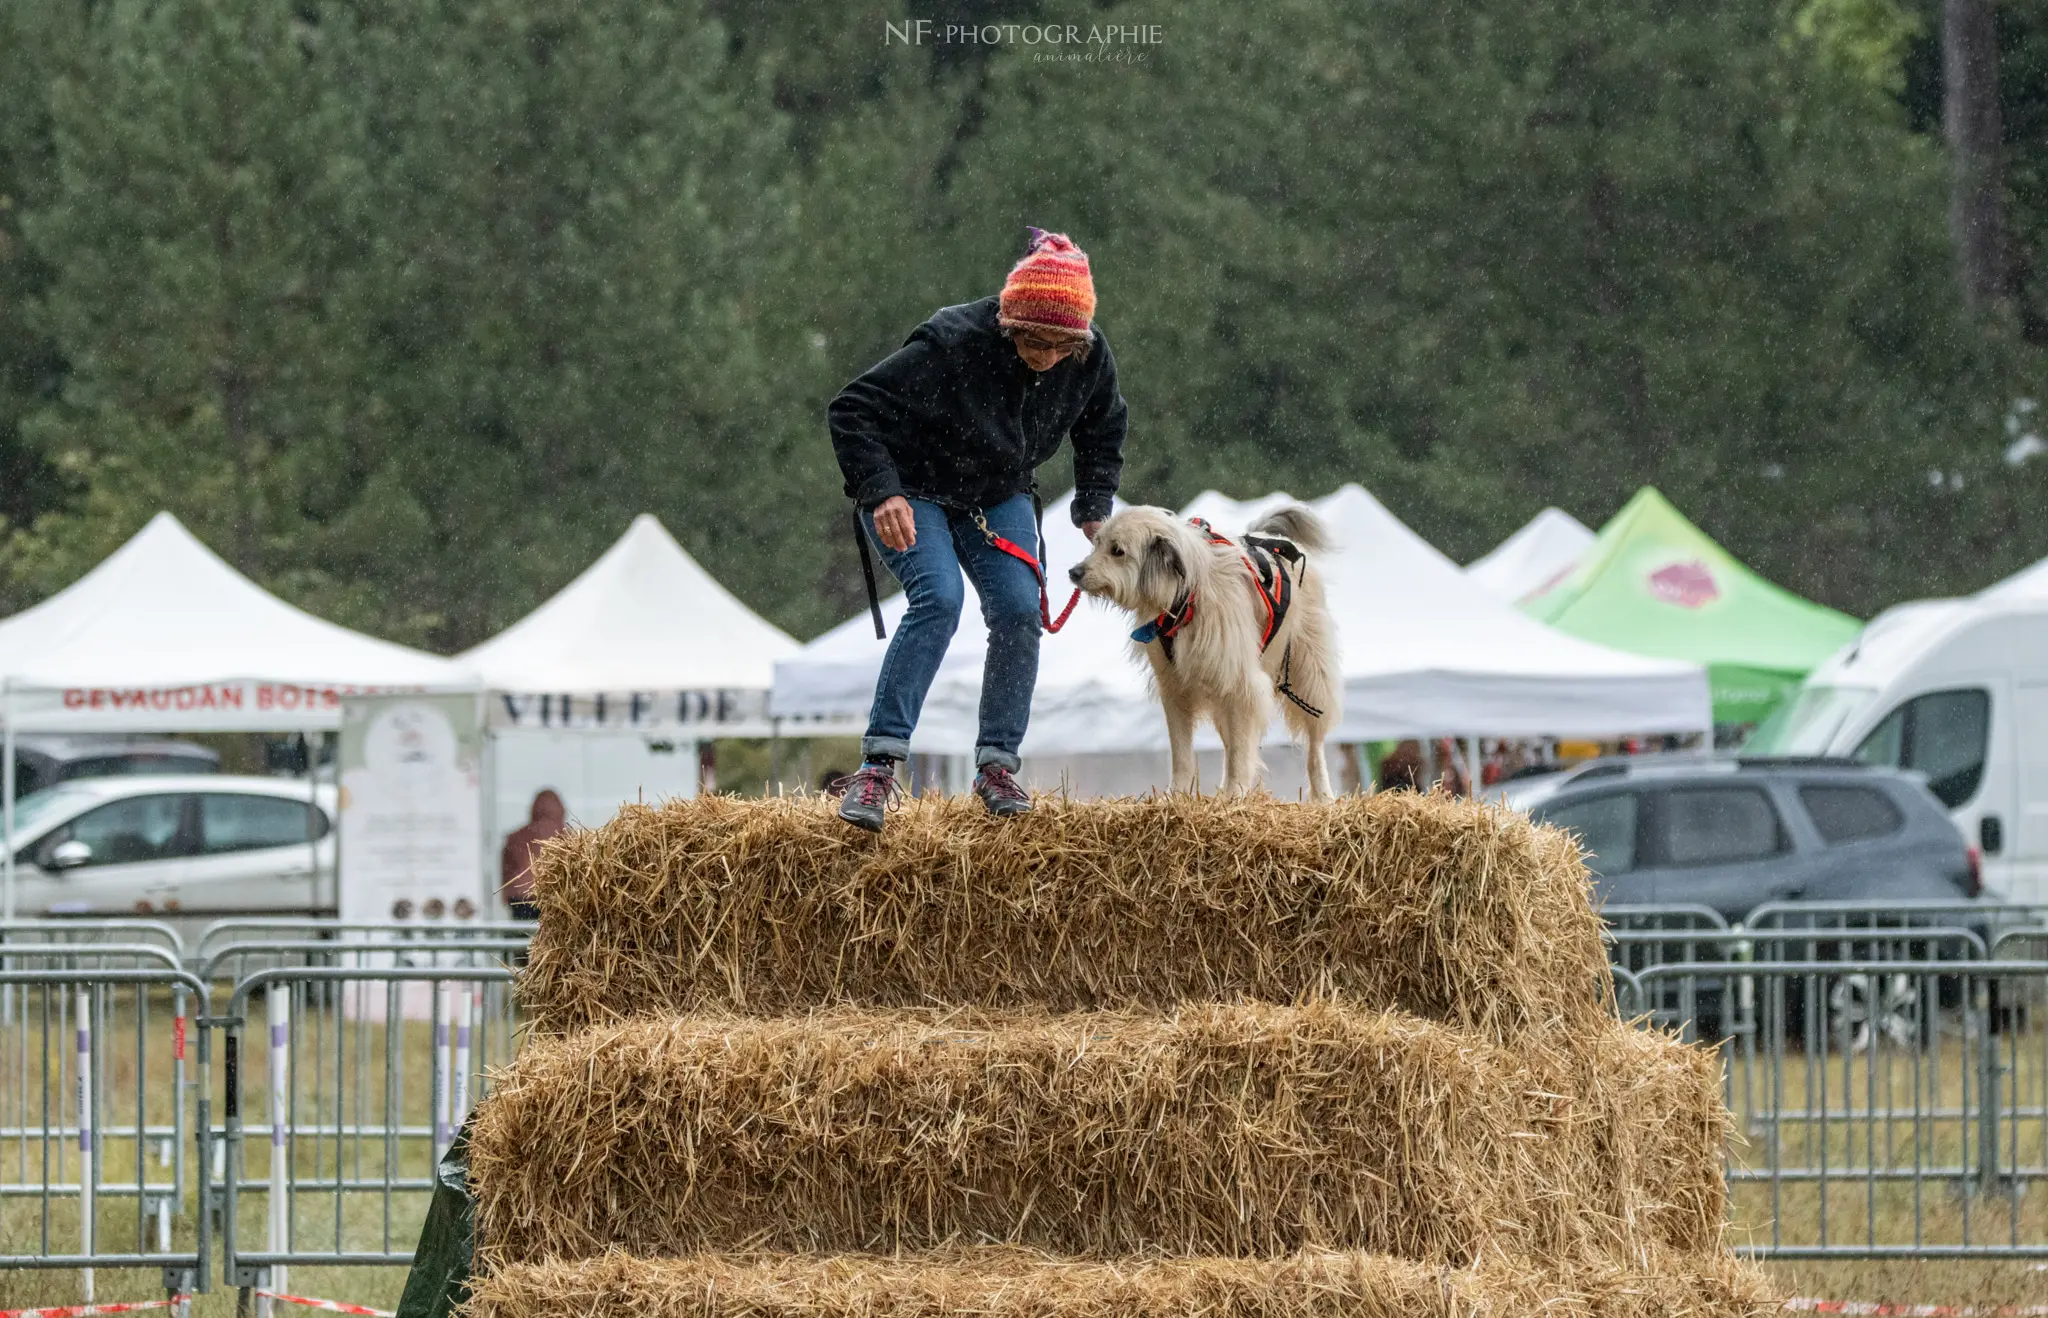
[956, 414]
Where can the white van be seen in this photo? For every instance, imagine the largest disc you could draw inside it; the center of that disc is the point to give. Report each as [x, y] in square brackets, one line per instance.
[1958, 690]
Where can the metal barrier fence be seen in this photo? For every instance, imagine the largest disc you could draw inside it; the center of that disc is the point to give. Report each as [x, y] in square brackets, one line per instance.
[1847, 915]
[1681, 915]
[282, 929]
[83, 933]
[1713, 1006]
[233, 962]
[1919, 1138]
[89, 1112]
[374, 1041]
[344, 1163]
[27, 1112]
[1887, 1069]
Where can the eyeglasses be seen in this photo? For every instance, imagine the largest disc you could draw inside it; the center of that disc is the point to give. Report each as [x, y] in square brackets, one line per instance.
[1038, 343]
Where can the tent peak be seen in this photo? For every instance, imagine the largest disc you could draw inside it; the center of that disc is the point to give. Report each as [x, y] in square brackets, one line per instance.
[164, 526]
[644, 616]
[1653, 582]
[1538, 555]
[164, 612]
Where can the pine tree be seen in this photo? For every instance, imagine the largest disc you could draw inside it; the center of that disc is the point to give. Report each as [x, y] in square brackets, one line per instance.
[580, 207]
[1486, 257]
[206, 225]
[35, 40]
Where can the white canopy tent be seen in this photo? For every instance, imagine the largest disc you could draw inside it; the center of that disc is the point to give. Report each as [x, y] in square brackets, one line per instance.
[1546, 547]
[644, 638]
[832, 679]
[2027, 584]
[603, 693]
[1426, 652]
[164, 636]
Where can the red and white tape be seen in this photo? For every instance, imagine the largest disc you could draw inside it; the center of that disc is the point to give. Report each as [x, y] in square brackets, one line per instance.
[1875, 1309]
[83, 1310]
[332, 1306]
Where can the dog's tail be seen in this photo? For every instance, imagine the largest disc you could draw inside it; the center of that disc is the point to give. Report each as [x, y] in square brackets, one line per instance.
[1298, 524]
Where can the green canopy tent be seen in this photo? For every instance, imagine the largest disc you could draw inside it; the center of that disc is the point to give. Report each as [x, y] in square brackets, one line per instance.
[1653, 583]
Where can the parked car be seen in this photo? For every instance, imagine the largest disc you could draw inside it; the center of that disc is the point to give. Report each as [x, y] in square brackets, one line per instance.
[1538, 783]
[210, 843]
[1733, 834]
[45, 761]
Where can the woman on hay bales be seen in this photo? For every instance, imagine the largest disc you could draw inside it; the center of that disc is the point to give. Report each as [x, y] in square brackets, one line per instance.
[938, 443]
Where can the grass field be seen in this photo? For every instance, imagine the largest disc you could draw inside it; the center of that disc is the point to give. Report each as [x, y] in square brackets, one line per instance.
[1871, 1101]
[1901, 1141]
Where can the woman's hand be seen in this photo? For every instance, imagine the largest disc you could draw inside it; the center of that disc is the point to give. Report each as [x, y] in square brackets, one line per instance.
[895, 524]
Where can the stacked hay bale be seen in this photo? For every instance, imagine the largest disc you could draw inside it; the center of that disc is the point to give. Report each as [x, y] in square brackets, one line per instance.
[1181, 1056]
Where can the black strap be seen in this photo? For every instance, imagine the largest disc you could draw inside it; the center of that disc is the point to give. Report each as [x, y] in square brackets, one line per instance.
[1283, 594]
[867, 570]
[1286, 687]
[1277, 544]
[1272, 577]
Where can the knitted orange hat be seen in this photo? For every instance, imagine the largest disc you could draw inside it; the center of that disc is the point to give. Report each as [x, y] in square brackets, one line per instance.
[1050, 288]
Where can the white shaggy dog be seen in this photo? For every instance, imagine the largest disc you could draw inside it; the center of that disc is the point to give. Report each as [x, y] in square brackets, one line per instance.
[1211, 633]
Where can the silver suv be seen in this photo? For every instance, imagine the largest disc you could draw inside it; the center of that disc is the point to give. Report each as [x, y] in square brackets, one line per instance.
[162, 844]
[1733, 834]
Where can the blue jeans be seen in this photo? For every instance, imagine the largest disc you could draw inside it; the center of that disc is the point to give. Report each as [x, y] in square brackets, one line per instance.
[930, 573]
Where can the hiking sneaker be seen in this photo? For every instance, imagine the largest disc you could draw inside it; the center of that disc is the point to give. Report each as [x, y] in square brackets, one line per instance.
[1000, 793]
[866, 796]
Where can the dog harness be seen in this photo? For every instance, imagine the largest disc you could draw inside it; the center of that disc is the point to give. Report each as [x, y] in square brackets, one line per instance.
[997, 542]
[1266, 558]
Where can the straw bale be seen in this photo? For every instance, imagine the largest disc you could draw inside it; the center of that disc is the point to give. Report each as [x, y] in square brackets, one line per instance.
[1445, 908]
[1014, 1284]
[1651, 1118]
[1219, 1129]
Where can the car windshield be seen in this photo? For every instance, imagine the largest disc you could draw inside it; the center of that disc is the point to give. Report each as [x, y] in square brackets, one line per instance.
[1808, 723]
[1525, 793]
[137, 762]
[33, 811]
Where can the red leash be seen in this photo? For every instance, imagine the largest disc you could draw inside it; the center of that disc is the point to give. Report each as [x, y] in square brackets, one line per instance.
[1029, 559]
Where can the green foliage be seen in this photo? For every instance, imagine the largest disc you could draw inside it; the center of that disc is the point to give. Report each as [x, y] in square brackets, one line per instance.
[207, 219]
[1865, 39]
[34, 40]
[407, 308]
[567, 310]
[1484, 258]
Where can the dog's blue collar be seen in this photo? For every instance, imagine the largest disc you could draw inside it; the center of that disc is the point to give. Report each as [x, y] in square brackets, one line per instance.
[1167, 625]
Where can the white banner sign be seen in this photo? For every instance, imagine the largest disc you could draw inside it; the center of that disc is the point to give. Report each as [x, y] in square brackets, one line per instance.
[411, 810]
[725, 712]
[199, 707]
